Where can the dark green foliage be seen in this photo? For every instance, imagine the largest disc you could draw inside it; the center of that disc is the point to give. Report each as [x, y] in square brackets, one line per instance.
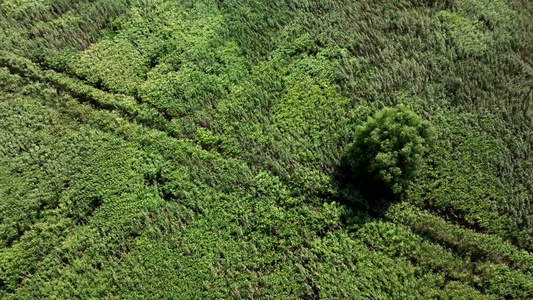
[389, 147]
[194, 149]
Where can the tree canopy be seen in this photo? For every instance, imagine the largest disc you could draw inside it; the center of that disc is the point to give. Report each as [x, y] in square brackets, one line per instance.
[389, 147]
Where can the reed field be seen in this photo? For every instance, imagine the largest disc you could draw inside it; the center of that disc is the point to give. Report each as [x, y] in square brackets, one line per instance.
[281, 149]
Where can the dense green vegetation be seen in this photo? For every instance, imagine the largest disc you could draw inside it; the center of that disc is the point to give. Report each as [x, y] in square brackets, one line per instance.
[206, 149]
[388, 149]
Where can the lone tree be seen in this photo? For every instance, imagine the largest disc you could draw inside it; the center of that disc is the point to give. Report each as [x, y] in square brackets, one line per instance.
[389, 147]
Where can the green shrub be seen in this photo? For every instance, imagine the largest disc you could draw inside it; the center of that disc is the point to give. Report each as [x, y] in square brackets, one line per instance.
[389, 147]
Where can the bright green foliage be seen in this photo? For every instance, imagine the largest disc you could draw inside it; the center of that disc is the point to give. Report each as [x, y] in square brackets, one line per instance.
[116, 65]
[176, 149]
[389, 147]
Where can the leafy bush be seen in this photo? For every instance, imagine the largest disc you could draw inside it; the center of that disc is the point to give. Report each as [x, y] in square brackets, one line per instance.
[389, 147]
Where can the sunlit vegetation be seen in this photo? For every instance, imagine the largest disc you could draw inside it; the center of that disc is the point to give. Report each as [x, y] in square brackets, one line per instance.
[388, 148]
[266, 149]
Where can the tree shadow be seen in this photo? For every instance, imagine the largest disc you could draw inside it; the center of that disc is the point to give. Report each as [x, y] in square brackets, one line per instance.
[364, 199]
